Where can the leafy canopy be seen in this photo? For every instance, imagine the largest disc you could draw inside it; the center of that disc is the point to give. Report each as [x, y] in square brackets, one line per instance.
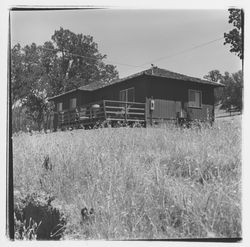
[235, 37]
[231, 94]
[64, 63]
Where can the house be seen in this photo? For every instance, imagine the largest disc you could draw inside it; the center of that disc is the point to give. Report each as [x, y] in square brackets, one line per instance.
[152, 96]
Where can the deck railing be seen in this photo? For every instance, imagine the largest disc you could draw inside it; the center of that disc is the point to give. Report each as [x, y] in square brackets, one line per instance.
[108, 110]
[127, 111]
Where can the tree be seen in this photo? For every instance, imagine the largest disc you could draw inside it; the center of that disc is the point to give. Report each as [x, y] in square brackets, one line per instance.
[235, 36]
[80, 61]
[231, 94]
[68, 61]
[17, 80]
[215, 76]
[26, 71]
[36, 106]
[27, 84]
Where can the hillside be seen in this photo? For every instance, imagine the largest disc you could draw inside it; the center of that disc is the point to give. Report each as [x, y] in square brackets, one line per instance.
[142, 183]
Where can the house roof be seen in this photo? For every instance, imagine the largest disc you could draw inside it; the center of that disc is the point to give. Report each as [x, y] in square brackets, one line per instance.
[154, 71]
[157, 72]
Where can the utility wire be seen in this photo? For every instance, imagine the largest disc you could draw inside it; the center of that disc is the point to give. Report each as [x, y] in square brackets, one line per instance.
[57, 50]
[184, 51]
[179, 53]
[144, 64]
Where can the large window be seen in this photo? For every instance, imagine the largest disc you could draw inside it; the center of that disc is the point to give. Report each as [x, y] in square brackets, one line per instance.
[194, 98]
[59, 106]
[128, 95]
[72, 104]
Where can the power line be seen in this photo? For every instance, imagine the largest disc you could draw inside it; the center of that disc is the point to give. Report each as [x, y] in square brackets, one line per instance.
[77, 55]
[144, 64]
[184, 51]
[178, 53]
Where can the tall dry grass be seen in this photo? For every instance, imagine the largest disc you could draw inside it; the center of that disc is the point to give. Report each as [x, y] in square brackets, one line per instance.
[142, 182]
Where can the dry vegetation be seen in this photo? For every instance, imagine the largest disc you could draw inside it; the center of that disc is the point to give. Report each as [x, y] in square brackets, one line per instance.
[142, 183]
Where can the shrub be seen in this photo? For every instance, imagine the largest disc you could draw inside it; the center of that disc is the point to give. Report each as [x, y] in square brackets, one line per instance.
[35, 218]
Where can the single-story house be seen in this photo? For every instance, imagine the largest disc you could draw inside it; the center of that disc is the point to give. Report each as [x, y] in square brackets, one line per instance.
[150, 96]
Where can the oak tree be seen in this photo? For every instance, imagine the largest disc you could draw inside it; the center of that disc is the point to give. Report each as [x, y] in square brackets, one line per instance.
[230, 95]
[235, 36]
[66, 62]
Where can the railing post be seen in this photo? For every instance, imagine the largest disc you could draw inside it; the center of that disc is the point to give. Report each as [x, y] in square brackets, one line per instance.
[90, 112]
[126, 112]
[104, 109]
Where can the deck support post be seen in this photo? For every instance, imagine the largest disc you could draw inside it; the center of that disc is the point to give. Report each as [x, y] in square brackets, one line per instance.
[104, 109]
[126, 112]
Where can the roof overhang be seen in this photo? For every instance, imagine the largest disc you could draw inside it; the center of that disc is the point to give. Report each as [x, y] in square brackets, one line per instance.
[59, 95]
[89, 88]
[201, 82]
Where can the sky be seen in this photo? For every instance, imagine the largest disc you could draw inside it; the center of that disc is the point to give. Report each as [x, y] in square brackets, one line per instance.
[183, 41]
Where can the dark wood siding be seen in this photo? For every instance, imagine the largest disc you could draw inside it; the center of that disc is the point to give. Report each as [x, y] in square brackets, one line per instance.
[203, 114]
[112, 92]
[82, 97]
[85, 97]
[171, 96]
[164, 109]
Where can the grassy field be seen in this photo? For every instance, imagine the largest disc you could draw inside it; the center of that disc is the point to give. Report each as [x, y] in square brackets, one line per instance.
[142, 183]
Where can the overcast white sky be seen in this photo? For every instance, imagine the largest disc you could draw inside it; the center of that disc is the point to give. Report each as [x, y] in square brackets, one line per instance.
[137, 37]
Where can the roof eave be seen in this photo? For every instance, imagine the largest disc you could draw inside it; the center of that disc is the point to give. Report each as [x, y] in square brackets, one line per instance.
[59, 95]
[201, 82]
[217, 84]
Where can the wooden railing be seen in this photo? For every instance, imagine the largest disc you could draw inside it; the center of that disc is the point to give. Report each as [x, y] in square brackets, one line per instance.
[109, 110]
[126, 111]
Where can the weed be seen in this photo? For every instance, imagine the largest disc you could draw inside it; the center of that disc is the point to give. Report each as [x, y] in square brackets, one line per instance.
[143, 183]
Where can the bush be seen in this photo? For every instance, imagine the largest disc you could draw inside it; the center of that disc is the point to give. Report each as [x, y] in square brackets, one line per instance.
[35, 218]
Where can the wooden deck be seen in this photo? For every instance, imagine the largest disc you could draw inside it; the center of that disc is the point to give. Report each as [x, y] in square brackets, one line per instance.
[103, 112]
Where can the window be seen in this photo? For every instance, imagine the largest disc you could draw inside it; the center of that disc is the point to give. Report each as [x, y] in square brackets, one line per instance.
[131, 95]
[72, 104]
[59, 106]
[194, 98]
[123, 95]
[128, 95]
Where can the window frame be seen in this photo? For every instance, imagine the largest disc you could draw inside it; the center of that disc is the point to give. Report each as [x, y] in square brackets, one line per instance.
[126, 94]
[70, 103]
[189, 102]
[133, 89]
[120, 93]
[58, 106]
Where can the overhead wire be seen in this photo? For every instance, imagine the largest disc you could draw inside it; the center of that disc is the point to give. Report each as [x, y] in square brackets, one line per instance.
[92, 58]
[184, 51]
[141, 65]
[179, 53]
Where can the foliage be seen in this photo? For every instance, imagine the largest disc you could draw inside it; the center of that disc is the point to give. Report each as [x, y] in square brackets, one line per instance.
[213, 75]
[66, 62]
[231, 94]
[143, 183]
[36, 107]
[235, 37]
[35, 217]
[23, 232]
[18, 89]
